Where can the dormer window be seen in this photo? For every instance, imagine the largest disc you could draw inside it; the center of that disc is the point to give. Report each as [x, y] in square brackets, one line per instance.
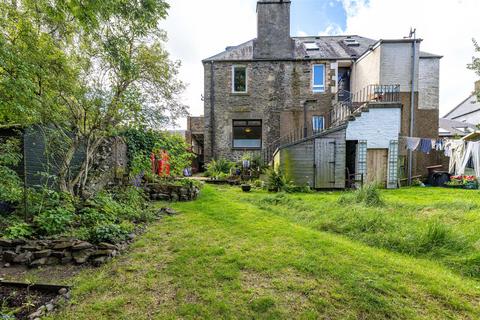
[318, 78]
[239, 79]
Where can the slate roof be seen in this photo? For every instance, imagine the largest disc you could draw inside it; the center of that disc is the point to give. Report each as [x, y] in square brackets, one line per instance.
[468, 106]
[329, 48]
[450, 128]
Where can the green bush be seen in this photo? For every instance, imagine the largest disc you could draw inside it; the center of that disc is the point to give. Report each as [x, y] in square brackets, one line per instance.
[90, 217]
[277, 181]
[111, 233]
[130, 196]
[219, 169]
[19, 230]
[53, 221]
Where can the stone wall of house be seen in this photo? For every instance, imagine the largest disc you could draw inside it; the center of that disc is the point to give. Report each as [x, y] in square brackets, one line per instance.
[195, 124]
[273, 40]
[277, 91]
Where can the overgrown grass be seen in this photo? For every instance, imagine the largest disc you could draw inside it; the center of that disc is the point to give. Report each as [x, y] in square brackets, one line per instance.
[438, 224]
[232, 255]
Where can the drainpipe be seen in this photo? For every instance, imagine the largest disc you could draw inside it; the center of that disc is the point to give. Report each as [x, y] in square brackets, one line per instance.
[305, 128]
[305, 131]
[412, 103]
[212, 110]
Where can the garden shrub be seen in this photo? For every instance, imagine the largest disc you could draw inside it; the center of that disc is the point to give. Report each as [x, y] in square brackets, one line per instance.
[277, 181]
[111, 233]
[54, 221]
[219, 169]
[90, 217]
[19, 230]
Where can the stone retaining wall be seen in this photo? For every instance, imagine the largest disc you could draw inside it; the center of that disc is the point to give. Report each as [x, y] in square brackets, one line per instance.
[171, 192]
[35, 253]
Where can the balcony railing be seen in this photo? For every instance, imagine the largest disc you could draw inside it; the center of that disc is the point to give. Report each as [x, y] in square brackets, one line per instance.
[350, 104]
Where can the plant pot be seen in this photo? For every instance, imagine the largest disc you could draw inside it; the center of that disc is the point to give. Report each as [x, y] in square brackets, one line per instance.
[246, 187]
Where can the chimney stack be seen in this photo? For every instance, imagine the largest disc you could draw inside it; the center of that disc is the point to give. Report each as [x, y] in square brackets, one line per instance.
[477, 86]
[273, 36]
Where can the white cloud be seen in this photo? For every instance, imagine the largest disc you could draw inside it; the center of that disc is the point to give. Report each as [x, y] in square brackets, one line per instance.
[331, 30]
[446, 27]
[200, 29]
[302, 33]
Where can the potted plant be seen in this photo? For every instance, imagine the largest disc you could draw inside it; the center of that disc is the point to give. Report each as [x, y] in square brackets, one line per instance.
[246, 187]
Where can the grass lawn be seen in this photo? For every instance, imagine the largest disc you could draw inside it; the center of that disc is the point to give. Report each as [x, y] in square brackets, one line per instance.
[232, 255]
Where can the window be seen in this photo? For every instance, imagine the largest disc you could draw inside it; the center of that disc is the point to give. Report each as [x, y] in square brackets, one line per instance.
[318, 124]
[247, 134]
[318, 78]
[311, 46]
[239, 79]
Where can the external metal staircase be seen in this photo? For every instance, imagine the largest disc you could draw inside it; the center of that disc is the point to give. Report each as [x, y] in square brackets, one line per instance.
[348, 108]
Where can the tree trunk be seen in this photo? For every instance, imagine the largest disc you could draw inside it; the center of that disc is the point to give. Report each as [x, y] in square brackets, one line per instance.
[63, 174]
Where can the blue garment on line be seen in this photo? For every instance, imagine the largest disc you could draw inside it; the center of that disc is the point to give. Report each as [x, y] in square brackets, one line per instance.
[426, 145]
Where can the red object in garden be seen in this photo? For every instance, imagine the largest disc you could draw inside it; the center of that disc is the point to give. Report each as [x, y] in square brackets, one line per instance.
[164, 164]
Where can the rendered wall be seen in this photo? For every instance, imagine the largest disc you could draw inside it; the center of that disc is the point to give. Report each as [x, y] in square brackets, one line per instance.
[429, 83]
[378, 127]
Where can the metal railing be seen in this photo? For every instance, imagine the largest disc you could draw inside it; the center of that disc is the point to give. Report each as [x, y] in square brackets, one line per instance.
[340, 112]
[353, 103]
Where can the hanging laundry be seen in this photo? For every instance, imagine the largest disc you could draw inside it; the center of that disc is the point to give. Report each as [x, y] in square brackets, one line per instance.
[426, 145]
[456, 149]
[439, 144]
[412, 143]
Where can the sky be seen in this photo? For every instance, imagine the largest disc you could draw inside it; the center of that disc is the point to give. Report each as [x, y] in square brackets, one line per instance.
[200, 29]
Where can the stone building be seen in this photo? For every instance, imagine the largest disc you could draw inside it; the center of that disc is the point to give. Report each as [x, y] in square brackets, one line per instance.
[194, 136]
[276, 89]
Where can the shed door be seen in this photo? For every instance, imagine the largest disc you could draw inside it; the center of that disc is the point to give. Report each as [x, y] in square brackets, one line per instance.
[377, 166]
[325, 163]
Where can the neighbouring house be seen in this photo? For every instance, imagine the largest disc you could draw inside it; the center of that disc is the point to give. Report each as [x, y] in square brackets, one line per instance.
[452, 128]
[323, 108]
[468, 110]
[195, 139]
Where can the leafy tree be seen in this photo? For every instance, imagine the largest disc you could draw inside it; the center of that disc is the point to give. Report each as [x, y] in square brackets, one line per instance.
[10, 187]
[475, 65]
[85, 69]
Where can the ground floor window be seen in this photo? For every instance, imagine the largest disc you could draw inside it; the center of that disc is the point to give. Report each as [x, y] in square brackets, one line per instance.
[247, 134]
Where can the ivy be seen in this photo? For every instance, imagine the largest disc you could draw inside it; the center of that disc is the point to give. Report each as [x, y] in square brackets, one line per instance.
[141, 143]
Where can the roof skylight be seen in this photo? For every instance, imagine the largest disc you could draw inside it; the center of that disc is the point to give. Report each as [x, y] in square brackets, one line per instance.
[311, 46]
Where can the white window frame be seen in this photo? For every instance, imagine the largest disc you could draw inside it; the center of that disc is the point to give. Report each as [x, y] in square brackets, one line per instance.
[317, 89]
[323, 122]
[233, 78]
